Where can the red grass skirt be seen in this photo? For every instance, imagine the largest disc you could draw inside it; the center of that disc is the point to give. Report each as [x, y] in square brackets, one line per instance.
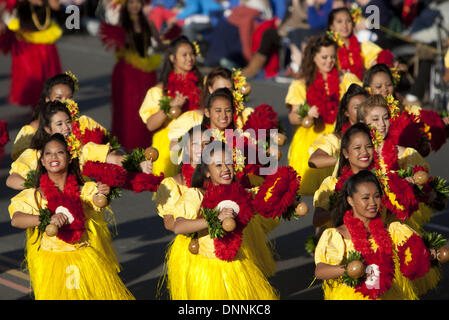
[129, 87]
[31, 65]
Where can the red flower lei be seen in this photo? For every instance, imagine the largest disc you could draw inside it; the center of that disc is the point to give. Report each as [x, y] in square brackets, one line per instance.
[95, 135]
[385, 57]
[70, 199]
[280, 189]
[187, 172]
[107, 173]
[226, 248]
[382, 257]
[419, 264]
[325, 94]
[116, 176]
[393, 183]
[350, 58]
[438, 134]
[186, 85]
[263, 117]
[405, 130]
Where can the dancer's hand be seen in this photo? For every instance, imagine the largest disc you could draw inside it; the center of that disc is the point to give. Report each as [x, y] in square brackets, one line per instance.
[103, 188]
[146, 166]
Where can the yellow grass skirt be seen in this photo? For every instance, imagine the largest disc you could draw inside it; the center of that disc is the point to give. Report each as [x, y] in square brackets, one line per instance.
[259, 249]
[298, 158]
[83, 274]
[195, 277]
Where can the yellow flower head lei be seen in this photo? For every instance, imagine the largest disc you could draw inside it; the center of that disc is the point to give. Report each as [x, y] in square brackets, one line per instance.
[74, 146]
[238, 159]
[335, 36]
[368, 89]
[74, 78]
[356, 13]
[239, 85]
[376, 137]
[393, 106]
[396, 76]
[73, 108]
[197, 48]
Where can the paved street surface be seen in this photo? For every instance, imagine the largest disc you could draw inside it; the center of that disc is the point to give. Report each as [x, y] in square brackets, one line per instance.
[141, 239]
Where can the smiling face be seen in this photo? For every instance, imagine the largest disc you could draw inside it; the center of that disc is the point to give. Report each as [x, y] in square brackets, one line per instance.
[366, 201]
[55, 158]
[379, 118]
[381, 84]
[220, 113]
[61, 123]
[325, 59]
[342, 24]
[184, 59]
[360, 152]
[60, 92]
[220, 169]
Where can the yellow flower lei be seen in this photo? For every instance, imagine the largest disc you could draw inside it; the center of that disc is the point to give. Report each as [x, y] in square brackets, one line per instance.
[376, 137]
[335, 36]
[393, 106]
[239, 84]
[74, 146]
[74, 78]
[73, 108]
[197, 48]
[356, 13]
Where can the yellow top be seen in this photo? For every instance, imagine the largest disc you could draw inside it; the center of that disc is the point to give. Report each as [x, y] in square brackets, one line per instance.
[29, 158]
[321, 197]
[22, 141]
[369, 52]
[188, 207]
[26, 133]
[297, 91]
[167, 196]
[47, 36]
[179, 126]
[26, 202]
[332, 248]
[328, 142]
[150, 104]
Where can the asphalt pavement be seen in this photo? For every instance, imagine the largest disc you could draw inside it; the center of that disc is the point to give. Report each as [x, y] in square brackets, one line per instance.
[139, 235]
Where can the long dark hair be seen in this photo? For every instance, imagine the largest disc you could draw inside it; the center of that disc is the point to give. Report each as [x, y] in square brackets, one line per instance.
[167, 65]
[127, 24]
[346, 139]
[60, 78]
[353, 90]
[48, 111]
[348, 190]
[308, 67]
[199, 175]
[219, 93]
[73, 168]
[333, 13]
